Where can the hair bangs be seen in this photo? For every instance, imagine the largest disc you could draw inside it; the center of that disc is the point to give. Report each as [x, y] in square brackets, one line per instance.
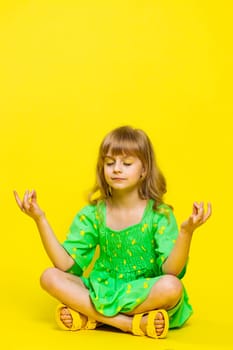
[120, 146]
[124, 141]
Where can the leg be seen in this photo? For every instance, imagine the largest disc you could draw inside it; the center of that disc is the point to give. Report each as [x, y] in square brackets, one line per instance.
[70, 290]
[165, 294]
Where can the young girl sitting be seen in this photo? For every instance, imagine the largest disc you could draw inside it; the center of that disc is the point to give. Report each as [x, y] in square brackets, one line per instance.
[135, 284]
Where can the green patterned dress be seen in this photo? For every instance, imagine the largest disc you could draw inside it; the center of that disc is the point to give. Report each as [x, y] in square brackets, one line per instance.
[130, 260]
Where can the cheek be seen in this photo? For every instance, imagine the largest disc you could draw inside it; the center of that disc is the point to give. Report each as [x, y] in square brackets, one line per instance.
[136, 174]
[106, 171]
[140, 171]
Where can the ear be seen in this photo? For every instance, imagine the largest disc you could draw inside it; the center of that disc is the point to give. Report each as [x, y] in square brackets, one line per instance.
[143, 174]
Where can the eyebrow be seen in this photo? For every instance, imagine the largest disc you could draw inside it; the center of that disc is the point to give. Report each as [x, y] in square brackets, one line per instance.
[123, 157]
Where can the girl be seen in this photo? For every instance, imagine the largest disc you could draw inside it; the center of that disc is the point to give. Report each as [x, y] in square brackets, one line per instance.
[135, 284]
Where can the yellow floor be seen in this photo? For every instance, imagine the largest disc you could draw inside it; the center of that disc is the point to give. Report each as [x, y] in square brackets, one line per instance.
[70, 71]
[27, 322]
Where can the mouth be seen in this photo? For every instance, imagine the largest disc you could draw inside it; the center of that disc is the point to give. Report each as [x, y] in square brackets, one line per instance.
[118, 179]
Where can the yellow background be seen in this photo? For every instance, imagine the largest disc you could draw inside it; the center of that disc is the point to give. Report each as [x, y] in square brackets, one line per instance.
[70, 71]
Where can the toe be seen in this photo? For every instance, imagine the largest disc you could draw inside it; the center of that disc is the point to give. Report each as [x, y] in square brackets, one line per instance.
[159, 323]
[66, 317]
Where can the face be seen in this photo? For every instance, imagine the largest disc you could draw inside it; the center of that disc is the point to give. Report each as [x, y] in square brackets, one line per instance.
[123, 172]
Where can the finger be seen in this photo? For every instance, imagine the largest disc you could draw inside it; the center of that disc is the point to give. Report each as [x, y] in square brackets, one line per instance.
[209, 208]
[30, 196]
[195, 208]
[208, 213]
[18, 200]
[199, 207]
[33, 196]
[26, 204]
[203, 217]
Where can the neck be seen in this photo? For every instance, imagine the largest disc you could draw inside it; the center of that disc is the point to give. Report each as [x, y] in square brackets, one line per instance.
[127, 200]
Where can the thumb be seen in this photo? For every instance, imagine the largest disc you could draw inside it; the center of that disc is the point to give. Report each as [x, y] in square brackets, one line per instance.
[33, 196]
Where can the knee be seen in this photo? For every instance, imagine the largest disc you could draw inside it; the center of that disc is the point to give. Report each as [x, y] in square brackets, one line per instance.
[48, 278]
[172, 288]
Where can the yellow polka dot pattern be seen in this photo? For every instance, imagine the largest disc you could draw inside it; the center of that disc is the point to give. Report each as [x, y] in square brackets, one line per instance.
[130, 260]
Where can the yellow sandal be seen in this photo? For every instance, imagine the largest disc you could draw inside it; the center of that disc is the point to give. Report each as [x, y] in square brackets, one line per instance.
[150, 328]
[77, 321]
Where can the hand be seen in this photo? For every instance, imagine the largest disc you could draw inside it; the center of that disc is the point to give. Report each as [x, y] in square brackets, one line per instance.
[197, 218]
[29, 205]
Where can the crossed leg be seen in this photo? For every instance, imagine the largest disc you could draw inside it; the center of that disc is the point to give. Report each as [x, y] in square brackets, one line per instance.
[70, 291]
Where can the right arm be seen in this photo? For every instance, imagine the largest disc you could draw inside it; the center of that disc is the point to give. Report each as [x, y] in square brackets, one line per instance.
[56, 253]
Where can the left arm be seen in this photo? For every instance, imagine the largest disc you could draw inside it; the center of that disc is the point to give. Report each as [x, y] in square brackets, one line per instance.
[177, 259]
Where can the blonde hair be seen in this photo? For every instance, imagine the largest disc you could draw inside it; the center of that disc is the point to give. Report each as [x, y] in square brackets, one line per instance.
[126, 140]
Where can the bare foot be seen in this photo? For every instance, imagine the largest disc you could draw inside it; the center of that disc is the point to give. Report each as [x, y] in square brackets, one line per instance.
[159, 323]
[66, 318]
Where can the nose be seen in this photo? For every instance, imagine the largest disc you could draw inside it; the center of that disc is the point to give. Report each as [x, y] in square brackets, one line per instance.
[117, 167]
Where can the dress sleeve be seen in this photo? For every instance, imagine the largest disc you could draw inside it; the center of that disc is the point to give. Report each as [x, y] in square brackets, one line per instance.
[166, 232]
[82, 239]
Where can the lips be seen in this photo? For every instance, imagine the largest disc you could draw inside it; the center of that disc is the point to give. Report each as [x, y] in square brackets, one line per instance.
[117, 178]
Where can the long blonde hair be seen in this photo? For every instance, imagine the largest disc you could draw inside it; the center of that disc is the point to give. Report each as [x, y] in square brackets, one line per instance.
[126, 140]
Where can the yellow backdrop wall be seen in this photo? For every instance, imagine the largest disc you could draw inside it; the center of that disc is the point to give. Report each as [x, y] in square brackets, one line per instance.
[71, 71]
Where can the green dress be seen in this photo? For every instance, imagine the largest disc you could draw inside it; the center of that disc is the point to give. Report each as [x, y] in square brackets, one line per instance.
[130, 260]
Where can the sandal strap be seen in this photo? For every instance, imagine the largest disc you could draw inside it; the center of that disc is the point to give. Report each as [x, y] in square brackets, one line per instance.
[77, 321]
[91, 324]
[76, 324]
[150, 328]
[136, 330]
[166, 323]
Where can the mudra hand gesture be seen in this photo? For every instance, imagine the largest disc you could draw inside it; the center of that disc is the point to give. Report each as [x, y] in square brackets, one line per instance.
[197, 218]
[29, 205]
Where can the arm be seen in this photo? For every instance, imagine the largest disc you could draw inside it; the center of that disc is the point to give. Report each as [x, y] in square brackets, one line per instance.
[177, 259]
[57, 254]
